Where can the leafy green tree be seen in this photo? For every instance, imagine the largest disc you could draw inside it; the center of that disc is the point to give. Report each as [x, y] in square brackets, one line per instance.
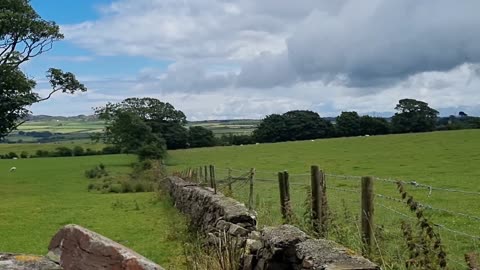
[200, 137]
[373, 125]
[306, 125]
[78, 151]
[63, 151]
[293, 125]
[145, 126]
[130, 133]
[24, 154]
[413, 116]
[153, 149]
[175, 135]
[23, 36]
[271, 129]
[162, 118]
[348, 124]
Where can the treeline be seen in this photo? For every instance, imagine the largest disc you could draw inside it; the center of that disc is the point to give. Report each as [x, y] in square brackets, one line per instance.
[63, 151]
[148, 127]
[412, 116]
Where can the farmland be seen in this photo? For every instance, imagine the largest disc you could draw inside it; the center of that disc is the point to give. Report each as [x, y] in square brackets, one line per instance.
[46, 193]
[447, 160]
[79, 129]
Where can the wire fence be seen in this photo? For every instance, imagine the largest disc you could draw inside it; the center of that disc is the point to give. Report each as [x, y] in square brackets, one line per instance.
[394, 202]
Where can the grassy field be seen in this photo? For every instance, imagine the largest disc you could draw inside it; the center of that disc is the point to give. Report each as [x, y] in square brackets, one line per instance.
[46, 193]
[449, 160]
[31, 148]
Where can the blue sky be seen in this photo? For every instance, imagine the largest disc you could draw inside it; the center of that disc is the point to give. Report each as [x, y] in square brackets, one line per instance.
[84, 62]
[216, 59]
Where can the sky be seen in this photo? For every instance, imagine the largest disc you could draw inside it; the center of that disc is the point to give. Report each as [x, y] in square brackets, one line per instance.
[226, 59]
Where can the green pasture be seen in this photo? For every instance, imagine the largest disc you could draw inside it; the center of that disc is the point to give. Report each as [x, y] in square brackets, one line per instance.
[447, 160]
[45, 194]
[31, 148]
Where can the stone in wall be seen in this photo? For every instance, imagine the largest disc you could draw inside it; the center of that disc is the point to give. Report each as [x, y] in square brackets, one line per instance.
[287, 247]
[211, 212]
[76, 248]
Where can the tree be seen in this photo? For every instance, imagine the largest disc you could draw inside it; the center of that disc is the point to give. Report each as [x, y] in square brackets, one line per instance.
[78, 151]
[348, 124]
[293, 125]
[130, 133]
[200, 137]
[23, 36]
[413, 116]
[462, 114]
[271, 129]
[143, 126]
[175, 135]
[306, 125]
[373, 125]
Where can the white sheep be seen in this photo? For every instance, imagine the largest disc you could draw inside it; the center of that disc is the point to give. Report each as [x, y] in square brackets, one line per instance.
[13, 169]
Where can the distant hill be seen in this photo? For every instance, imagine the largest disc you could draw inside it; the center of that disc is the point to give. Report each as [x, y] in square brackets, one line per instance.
[80, 117]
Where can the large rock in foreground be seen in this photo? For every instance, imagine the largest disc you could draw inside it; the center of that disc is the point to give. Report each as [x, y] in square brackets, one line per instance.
[76, 248]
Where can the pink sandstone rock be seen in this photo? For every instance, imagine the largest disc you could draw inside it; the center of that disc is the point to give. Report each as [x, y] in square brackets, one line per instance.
[77, 248]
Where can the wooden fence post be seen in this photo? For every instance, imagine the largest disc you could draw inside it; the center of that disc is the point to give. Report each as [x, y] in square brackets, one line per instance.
[281, 186]
[213, 183]
[316, 199]
[229, 179]
[205, 175]
[319, 201]
[288, 206]
[250, 194]
[190, 174]
[367, 214]
[200, 173]
[287, 186]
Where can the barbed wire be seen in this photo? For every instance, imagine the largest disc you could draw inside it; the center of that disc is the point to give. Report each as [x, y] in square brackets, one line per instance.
[386, 197]
[475, 237]
[356, 177]
[430, 207]
[346, 177]
[344, 190]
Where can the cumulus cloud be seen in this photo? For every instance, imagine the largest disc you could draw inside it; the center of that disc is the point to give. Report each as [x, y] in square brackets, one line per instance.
[248, 58]
[171, 29]
[378, 43]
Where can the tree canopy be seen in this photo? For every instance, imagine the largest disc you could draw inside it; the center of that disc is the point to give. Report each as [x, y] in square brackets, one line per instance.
[293, 125]
[23, 36]
[145, 126]
[413, 116]
[200, 137]
[348, 124]
[373, 125]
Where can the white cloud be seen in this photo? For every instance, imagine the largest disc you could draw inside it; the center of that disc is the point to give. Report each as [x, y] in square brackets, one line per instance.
[249, 58]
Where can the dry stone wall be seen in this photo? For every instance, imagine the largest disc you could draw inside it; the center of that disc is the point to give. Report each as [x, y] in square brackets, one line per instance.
[284, 247]
[211, 212]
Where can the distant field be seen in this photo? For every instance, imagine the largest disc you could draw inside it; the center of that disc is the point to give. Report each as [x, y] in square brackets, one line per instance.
[31, 148]
[449, 160]
[236, 127]
[46, 193]
[72, 129]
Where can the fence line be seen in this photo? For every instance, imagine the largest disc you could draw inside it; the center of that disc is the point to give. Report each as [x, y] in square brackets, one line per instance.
[435, 224]
[245, 178]
[387, 180]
